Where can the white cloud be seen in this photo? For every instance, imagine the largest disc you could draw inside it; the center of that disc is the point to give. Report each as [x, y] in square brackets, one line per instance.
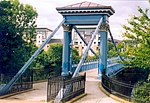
[50, 18]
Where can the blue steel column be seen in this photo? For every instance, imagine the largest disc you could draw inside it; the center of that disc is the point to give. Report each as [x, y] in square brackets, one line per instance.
[66, 50]
[103, 50]
[70, 52]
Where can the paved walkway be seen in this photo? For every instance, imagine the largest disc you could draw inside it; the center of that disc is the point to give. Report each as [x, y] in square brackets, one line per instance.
[94, 94]
[38, 95]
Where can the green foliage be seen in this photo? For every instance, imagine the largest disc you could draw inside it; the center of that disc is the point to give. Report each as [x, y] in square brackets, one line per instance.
[141, 92]
[17, 34]
[110, 46]
[111, 49]
[138, 40]
[90, 58]
[54, 54]
[75, 55]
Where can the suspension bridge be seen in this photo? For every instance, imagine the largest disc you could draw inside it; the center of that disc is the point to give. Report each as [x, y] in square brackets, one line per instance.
[80, 14]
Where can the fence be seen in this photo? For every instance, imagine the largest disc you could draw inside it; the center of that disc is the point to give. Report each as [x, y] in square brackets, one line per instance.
[60, 84]
[116, 87]
[25, 82]
[91, 64]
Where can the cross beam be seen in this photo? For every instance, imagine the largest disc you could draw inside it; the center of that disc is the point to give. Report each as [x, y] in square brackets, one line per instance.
[112, 39]
[84, 41]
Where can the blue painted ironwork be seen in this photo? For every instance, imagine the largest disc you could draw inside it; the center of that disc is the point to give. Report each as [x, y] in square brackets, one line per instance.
[66, 50]
[112, 39]
[84, 40]
[87, 65]
[113, 69]
[87, 49]
[70, 69]
[103, 53]
[112, 66]
[85, 13]
[8, 86]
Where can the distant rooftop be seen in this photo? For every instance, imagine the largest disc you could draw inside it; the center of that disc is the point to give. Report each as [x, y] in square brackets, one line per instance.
[44, 29]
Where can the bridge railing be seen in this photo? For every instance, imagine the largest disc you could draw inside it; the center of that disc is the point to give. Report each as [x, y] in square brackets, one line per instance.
[57, 86]
[25, 82]
[90, 64]
[117, 87]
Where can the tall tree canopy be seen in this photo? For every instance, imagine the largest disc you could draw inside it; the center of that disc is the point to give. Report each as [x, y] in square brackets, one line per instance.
[138, 40]
[54, 55]
[17, 34]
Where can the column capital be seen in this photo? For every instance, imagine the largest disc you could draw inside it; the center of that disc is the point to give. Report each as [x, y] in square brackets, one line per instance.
[67, 27]
[104, 27]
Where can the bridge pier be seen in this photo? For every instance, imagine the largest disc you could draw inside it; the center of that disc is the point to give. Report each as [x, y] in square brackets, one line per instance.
[103, 48]
[66, 60]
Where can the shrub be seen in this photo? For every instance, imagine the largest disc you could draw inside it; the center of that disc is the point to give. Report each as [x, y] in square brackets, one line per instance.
[141, 92]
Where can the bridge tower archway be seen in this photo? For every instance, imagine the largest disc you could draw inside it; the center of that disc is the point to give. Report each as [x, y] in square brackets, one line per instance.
[84, 13]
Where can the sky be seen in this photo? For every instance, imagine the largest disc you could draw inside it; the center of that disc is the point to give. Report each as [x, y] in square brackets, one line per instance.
[49, 17]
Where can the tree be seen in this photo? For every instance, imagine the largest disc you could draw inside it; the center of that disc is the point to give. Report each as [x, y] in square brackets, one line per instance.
[138, 40]
[141, 92]
[54, 55]
[17, 34]
[75, 55]
[112, 51]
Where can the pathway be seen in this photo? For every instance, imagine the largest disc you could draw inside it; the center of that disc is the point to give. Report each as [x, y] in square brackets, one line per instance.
[38, 95]
[94, 94]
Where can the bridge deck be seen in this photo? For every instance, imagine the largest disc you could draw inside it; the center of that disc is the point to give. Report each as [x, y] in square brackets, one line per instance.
[38, 95]
[95, 95]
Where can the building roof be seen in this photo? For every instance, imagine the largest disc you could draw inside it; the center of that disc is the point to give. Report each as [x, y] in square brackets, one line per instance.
[44, 29]
[56, 41]
[85, 7]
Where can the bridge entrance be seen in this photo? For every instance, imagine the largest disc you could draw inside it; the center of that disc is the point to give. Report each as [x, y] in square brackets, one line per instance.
[85, 13]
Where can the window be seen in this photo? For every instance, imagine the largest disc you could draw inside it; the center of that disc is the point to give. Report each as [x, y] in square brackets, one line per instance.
[75, 43]
[44, 35]
[77, 47]
[80, 42]
[82, 32]
[92, 32]
[94, 42]
[97, 48]
[98, 43]
[99, 38]
[75, 36]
